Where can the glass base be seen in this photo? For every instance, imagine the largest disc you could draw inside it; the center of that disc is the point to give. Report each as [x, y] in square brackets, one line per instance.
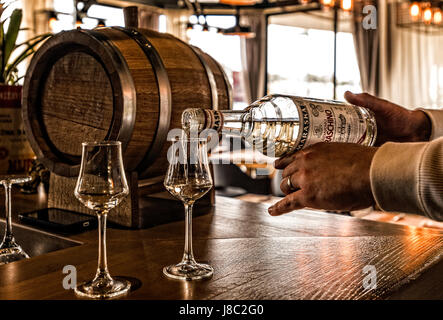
[12, 253]
[98, 289]
[188, 271]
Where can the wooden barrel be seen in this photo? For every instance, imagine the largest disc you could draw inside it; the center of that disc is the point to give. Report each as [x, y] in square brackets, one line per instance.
[120, 84]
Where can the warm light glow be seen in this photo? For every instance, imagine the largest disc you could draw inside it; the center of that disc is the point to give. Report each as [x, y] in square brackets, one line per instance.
[437, 16]
[189, 32]
[52, 21]
[414, 10]
[239, 2]
[346, 4]
[101, 23]
[328, 3]
[304, 1]
[427, 15]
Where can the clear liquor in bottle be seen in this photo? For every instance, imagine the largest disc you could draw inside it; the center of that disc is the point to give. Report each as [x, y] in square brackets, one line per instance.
[277, 125]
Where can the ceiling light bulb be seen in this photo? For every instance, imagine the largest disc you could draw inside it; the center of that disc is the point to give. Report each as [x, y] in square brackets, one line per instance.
[346, 5]
[101, 23]
[427, 15]
[52, 22]
[414, 10]
[239, 2]
[78, 22]
[437, 16]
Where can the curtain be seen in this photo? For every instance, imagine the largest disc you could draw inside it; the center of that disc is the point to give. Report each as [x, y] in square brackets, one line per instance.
[367, 49]
[412, 62]
[148, 19]
[253, 53]
[176, 23]
[34, 17]
[400, 64]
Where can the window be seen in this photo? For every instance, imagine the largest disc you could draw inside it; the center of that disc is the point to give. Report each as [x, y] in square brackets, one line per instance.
[301, 56]
[112, 16]
[225, 49]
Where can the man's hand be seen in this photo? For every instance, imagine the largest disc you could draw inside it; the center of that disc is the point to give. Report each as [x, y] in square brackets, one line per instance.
[331, 176]
[394, 123]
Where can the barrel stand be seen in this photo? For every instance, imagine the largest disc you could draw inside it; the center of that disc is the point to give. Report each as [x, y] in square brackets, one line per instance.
[147, 205]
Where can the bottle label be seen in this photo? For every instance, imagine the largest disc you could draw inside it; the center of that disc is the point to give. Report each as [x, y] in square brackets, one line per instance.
[329, 122]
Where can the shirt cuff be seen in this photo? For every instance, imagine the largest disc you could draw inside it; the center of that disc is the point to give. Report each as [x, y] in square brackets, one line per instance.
[436, 117]
[394, 176]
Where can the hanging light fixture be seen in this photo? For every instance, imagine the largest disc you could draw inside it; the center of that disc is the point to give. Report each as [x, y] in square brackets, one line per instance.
[427, 15]
[78, 21]
[346, 5]
[239, 30]
[437, 18]
[327, 3]
[420, 15]
[52, 19]
[414, 10]
[101, 23]
[239, 2]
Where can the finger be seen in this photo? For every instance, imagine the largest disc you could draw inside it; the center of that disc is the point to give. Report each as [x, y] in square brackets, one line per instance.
[291, 169]
[366, 100]
[287, 204]
[284, 185]
[284, 161]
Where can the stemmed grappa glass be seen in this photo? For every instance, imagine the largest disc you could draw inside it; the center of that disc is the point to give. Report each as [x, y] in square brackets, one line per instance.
[188, 178]
[9, 250]
[101, 186]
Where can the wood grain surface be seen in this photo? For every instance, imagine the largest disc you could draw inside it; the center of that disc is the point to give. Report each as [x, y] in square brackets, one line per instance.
[301, 255]
[79, 103]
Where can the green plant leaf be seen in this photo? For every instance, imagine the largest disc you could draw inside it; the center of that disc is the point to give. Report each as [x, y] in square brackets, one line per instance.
[13, 66]
[2, 32]
[29, 50]
[40, 37]
[11, 35]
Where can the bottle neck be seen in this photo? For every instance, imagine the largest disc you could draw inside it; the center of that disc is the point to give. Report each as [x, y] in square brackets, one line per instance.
[235, 122]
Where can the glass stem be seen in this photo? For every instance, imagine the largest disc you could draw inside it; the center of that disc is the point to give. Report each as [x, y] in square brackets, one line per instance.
[9, 237]
[188, 256]
[102, 269]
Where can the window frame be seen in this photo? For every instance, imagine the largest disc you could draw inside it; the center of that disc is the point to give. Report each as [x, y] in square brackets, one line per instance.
[335, 30]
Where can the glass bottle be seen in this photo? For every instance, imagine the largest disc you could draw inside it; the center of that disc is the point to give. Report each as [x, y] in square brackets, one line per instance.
[277, 125]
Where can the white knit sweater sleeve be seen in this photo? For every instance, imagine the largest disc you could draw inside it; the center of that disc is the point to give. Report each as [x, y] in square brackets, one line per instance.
[408, 177]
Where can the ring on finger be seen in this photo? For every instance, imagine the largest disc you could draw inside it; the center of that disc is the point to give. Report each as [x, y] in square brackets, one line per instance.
[290, 186]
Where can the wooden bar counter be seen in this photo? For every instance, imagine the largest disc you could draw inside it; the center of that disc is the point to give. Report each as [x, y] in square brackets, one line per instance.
[301, 255]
